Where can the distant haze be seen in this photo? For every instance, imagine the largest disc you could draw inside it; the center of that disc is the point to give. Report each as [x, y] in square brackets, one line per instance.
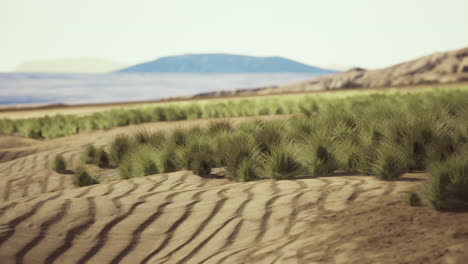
[71, 65]
[365, 33]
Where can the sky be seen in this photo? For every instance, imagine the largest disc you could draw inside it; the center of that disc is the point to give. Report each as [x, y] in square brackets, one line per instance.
[365, 33]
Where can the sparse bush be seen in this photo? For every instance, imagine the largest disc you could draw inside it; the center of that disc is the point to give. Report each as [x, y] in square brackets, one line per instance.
[83, 178]
[59, 164]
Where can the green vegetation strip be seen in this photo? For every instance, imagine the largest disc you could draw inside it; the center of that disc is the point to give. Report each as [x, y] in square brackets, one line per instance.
[50, 127]
[380, 135]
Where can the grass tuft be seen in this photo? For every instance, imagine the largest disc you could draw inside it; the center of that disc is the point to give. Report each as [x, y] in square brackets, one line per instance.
[391, 161]
[59, 164]
[83, 178]
[120, 146]
[88, 156]
[413, 199]
[447, 184]
[283, 163]
[102, 158]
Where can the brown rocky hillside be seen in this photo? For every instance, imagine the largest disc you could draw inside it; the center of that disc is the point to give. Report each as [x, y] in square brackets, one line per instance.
[438, 68]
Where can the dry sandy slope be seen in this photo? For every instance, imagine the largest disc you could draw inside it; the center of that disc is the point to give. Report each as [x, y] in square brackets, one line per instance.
[182, 218]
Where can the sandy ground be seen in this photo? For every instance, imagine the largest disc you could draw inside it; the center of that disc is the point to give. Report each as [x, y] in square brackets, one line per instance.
[183, 218]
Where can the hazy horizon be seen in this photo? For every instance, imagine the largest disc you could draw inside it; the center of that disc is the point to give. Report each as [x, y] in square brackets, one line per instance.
[72, 88]
[364, 33]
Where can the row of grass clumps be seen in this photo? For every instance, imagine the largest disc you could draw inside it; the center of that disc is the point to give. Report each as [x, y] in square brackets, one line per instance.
[50, 127]
[371, 134]
[384, 138]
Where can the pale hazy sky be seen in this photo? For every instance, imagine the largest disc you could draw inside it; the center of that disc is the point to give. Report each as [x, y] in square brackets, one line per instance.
[367, 33]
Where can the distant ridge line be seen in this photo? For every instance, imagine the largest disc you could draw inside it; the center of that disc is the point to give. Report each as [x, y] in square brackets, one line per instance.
[224, 63]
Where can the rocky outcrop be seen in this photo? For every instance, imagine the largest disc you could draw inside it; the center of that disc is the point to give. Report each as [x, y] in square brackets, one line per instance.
[444, 67]
[438, 68]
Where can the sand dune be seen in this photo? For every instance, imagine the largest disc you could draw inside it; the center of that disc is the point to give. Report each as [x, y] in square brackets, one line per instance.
[183, 218]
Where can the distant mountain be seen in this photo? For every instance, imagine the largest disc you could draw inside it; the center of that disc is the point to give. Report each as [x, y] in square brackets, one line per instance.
[70, 65]
[224, 63]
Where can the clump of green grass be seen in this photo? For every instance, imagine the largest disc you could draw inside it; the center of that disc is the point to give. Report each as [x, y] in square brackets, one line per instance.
[269, 135]
[166, 159]
[102, 158]
[83, 178]
[141, 162]
[120, 146]
[447, 184]
[391, 162]
[148, 137]
[203, 163]
[283, 163]
[219, 145]
[179, 136]
[59, 164]
[247, 170]
[243, 158]
[316, 153]
[88, 156]
[197, 155]
[215, 127]
[413, 199]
